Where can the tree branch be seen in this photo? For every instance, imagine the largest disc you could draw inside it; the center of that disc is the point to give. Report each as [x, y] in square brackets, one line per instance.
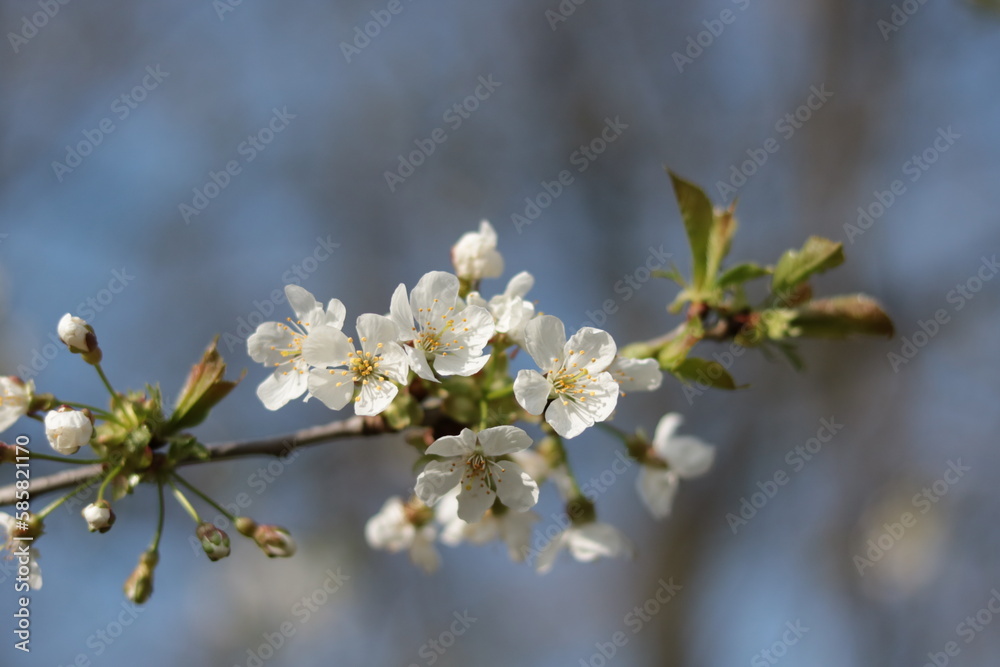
[276, 446]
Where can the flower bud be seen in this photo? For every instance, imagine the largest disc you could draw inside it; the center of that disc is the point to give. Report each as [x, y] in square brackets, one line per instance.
[139, 585]
[67, 429]
[246, 525]
[275, 541]
[100, 517]
[79, 337]
[475, 255]
[214, 541]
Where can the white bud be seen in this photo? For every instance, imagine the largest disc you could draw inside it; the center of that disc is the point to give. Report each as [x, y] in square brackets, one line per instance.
[99, 516]
[67, 429]
[475, 255]
[73, 331]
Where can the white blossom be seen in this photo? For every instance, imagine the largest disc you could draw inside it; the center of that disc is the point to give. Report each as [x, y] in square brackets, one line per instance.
[441, 328]
[685, 457]
[373, 365]
[574, 374]
[512, 528]
[280, 346]
[393, 529]
[475, 255]
[470, 460]
[511, 311]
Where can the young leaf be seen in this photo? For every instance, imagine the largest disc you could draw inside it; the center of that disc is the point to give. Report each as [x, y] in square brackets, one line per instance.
[696, 210]
[843, 316]
[795, 266]
[202, 391]
[719, 239]
[704, 372]
[741, 273]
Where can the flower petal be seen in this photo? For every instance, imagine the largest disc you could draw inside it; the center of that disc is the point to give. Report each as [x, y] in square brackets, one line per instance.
[665, 430]
[547, 558]
[399, 311]
[657, 489]
[437, 479]
[545, 341]
[515, 487]
[301, 300]
[394, 364]
[281, 386]
[454, 445]
[335, 315]
[597, 540]
[531, 389]
[375, 396]
[419, 364]
[501, 440]
[520, 284]
[326, 347]
[593, 349]
[433, 296]
[688, 456]
[374, 330]
[460, 364]
[636, 374]
[266, 343]
[474, 498]
[423, 553]
[334, 389]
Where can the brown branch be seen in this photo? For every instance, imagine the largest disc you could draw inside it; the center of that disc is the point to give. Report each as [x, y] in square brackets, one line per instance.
[277, 446]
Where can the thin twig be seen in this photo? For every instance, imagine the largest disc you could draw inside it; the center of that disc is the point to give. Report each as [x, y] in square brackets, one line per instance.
[277, 446]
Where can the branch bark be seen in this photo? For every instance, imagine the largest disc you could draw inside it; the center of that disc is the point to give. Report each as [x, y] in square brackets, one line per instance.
[276, 446]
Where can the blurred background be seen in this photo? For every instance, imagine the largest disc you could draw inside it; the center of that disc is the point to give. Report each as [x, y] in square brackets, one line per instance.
[118, 119]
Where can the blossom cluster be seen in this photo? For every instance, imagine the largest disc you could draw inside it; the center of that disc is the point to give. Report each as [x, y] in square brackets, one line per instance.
[443, 339]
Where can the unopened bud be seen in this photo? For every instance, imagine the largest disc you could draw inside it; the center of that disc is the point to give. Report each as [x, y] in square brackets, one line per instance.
[245, 525]
[139, 585]
[100, 517]
[79, 337]
[275, 541]
[67, 429]
[214, 541]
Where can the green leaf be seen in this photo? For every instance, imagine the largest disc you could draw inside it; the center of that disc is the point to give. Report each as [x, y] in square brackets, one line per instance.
[719, 239]
[704, 372]
[672, 274]
[202, 391]
[741, 273]
[698, 216]
[843, 316]
[795, 266]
